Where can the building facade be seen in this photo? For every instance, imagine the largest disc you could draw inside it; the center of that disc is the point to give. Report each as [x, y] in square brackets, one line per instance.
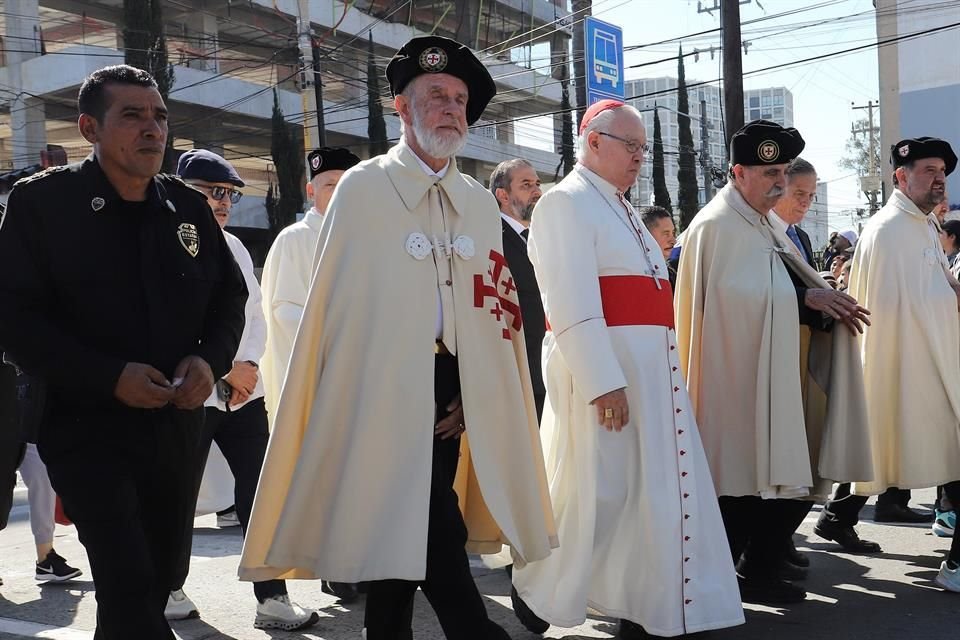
[230, 59]
[919, 78]
[706, 125]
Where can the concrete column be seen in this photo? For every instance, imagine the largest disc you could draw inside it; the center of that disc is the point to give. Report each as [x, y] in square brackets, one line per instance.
[204, 34]
[27, 113]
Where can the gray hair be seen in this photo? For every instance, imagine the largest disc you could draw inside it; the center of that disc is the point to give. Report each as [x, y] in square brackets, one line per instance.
[601, 122]
[501, 175]
[799, 167]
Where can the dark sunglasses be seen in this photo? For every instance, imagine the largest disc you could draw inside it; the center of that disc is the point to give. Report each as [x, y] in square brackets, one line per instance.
[217, 193]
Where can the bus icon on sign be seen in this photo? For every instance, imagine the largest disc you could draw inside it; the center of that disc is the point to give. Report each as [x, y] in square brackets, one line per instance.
[606, 65]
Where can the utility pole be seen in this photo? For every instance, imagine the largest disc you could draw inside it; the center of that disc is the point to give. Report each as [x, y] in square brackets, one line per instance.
[732, 62]
[870, 184]
[581, 9]
[705, 162]
[309, 65]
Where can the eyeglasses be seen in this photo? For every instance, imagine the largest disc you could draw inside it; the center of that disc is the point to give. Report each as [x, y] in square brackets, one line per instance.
[218, 193]
[629, 145]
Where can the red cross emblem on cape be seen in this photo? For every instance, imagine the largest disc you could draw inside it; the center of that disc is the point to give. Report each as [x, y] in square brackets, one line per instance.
[497, 290]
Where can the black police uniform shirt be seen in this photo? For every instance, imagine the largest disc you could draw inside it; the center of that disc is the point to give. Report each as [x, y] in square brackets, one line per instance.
[95, 282]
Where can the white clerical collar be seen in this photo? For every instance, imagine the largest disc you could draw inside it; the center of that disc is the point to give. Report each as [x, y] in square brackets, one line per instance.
[514, 224]
[313, 218]
[605, 187]
[778, 221]
[426, 168]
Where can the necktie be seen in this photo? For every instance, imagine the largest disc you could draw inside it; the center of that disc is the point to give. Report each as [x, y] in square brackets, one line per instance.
[793, 235]
[525, 234]
[441, 256]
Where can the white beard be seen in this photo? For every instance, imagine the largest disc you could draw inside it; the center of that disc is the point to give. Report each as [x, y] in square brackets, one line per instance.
[435, 144]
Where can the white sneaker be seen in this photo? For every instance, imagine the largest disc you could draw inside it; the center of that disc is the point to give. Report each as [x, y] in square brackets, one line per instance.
[277, 612]
[948, 578]
[227, 520]
[180, 607]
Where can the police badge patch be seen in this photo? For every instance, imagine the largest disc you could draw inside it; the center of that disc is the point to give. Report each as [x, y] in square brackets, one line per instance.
[189, 238]
[433, 60]
[768, 151]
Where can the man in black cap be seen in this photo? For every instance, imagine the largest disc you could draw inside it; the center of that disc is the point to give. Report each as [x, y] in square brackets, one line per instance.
[746, 301]
[910, 352]
[286, 281]
[410, 294]
[286, 278]
[129, 304]
[236, 417]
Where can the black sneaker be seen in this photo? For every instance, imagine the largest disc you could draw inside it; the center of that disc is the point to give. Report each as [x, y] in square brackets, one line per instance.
[55, 569]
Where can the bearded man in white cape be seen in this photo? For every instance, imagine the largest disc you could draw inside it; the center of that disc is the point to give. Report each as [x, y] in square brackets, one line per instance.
[776, 387]
[911, 352]
[636, 509]
[410, 336]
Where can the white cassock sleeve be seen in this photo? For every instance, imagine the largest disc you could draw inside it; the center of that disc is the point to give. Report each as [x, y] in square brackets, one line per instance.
[563, 250]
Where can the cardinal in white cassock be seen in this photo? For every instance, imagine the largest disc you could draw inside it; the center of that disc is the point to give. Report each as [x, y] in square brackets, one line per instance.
[635, 506]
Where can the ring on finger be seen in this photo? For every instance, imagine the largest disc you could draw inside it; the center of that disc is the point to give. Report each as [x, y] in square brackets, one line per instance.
[608, 414]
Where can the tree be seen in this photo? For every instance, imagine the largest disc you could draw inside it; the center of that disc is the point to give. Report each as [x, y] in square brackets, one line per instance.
[145, 47]
[857, 155]
[688, 191]
[376, 125]
[270, 204]
[661, 197]
[286, 149]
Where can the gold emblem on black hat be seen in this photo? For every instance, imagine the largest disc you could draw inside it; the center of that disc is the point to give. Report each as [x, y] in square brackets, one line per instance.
[433, 60]
[189, 238]
[768, 151]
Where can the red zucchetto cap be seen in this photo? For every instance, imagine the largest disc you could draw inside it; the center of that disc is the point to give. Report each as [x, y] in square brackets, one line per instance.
[596, 109]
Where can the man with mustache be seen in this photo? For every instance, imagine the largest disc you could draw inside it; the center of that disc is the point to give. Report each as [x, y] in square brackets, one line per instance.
[754, 327]
[410, 339]
[516, 186]
[128, 303]
[636, 510]
[910, 353]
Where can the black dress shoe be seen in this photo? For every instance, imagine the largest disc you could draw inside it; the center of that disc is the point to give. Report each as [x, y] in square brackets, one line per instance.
[790, 571]
[344, 591]
[795, 557]
[769, 591]
[527, 617]
[900, 513]
[632, 631]
[846, 537]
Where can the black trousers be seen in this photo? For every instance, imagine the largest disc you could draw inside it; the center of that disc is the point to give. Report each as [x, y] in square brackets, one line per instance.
[11, 443]
[126, 481]
[448, 584]
[758, 530]
[844, 507]
[242, 436]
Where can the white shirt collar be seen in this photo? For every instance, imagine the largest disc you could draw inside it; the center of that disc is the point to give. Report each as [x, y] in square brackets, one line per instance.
[423, 165]
[514, 224]
[778, 221]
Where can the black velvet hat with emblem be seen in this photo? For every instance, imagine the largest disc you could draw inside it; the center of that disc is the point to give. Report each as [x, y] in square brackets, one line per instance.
[762, 142]
[330, 159]
[434, 54]
[906, 151]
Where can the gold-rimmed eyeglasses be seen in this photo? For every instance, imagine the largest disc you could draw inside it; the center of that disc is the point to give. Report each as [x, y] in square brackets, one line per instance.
[629, 145]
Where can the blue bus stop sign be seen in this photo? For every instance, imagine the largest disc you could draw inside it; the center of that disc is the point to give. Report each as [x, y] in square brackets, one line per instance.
[604, 57]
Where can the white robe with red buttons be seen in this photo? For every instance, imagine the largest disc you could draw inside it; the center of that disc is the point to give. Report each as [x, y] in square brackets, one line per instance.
[641, 535]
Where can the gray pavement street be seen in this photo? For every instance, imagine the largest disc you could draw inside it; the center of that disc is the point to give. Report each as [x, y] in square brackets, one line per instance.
[886, 597]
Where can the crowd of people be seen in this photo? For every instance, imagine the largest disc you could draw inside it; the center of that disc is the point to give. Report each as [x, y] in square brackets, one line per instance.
[574, 393]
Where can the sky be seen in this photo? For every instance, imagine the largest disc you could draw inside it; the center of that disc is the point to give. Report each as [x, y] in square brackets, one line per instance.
[823, 91]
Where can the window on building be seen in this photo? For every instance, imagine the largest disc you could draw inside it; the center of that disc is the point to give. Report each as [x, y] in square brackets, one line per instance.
[778, 99]
[766, 101]
[754, 101]
[755, 114]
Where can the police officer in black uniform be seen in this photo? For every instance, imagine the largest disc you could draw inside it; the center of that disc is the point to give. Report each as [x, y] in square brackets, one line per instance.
[127, 301]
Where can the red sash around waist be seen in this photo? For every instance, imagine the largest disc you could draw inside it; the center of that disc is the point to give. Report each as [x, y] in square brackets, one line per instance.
[635, 300]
